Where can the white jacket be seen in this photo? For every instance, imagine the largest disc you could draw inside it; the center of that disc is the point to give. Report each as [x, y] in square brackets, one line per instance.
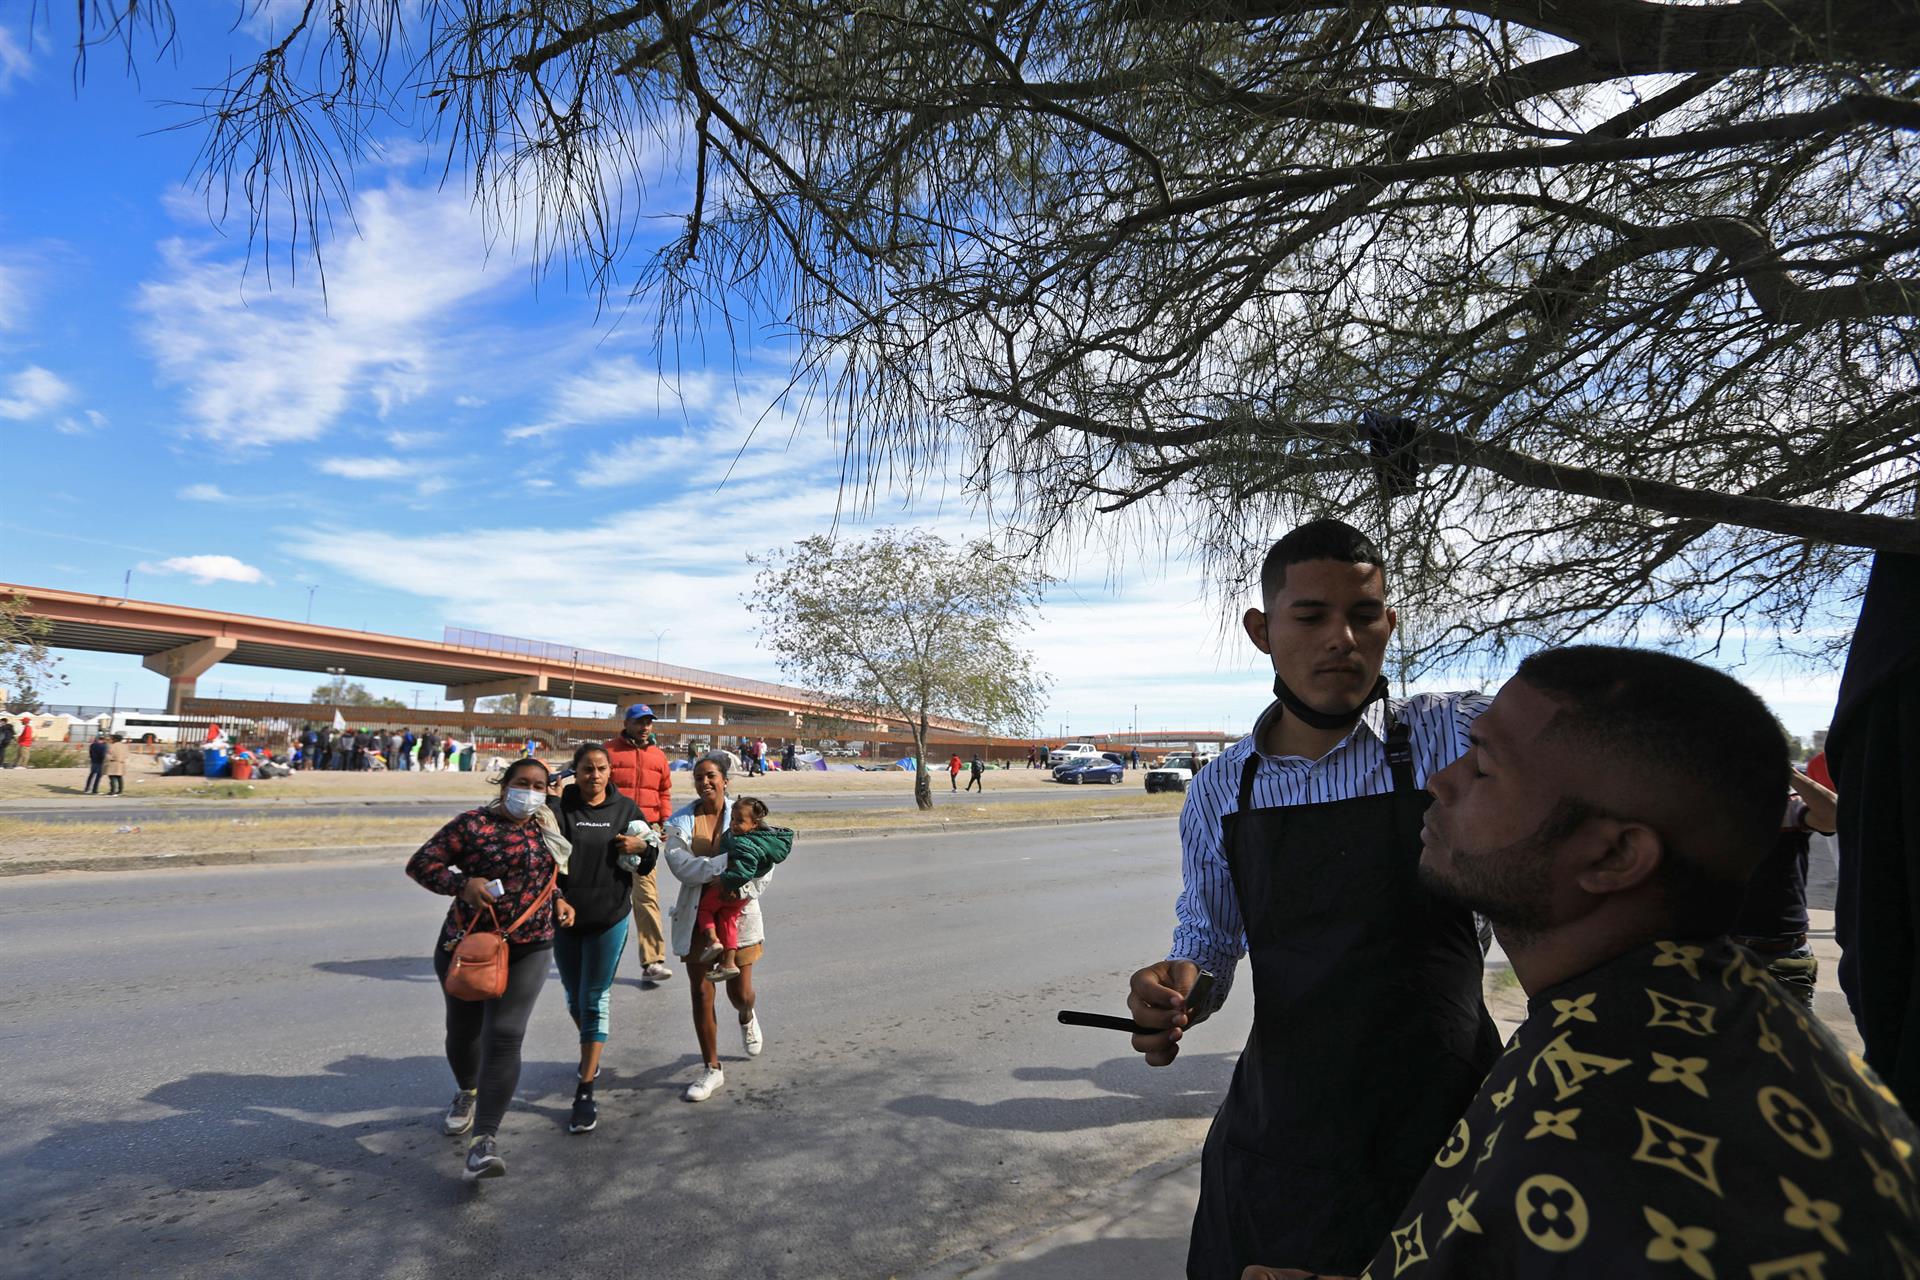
[693, 872]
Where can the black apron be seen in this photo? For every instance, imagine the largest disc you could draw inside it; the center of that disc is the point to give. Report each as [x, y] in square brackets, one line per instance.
[1369, 1034]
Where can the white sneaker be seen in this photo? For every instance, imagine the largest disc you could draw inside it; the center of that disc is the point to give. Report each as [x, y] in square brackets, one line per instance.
[751, 1037]
[709, 1079]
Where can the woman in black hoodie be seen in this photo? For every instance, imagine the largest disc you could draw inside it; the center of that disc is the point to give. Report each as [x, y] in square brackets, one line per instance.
[593, 816]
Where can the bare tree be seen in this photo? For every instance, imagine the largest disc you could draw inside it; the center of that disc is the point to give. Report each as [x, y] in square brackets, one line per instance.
[903, 626]
[26, 665]
[1602, 310]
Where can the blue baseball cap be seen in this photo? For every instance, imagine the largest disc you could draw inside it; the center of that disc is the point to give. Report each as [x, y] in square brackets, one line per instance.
[640, 710]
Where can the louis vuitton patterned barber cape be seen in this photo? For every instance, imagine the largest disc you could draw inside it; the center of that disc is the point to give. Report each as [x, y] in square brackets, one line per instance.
[1673, 1113]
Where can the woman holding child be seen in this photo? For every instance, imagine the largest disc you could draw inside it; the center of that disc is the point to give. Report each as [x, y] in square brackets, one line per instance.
[710, 843]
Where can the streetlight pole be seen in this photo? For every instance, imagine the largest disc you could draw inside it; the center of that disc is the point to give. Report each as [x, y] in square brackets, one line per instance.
[310, 590]
[338, 687]
[573, 680]
[658, 636]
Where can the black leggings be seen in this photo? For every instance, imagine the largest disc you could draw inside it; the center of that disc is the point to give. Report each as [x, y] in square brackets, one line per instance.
[483, 1036]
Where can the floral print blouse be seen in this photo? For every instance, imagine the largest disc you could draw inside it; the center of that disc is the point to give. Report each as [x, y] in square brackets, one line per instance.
[482, 844]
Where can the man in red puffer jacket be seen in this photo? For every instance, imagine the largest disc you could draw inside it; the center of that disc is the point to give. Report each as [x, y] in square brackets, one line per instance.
[641, 772]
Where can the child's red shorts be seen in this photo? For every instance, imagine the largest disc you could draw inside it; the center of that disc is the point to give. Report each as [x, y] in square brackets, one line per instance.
[722, 915]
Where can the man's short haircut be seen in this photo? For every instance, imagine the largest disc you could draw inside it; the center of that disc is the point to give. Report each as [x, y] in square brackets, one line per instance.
[1317, 540]
[1703, 737]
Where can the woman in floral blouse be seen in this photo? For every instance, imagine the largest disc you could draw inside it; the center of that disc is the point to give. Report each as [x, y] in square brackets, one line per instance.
[503, 841]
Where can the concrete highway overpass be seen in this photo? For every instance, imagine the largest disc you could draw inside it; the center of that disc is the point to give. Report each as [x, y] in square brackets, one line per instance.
[183, 643]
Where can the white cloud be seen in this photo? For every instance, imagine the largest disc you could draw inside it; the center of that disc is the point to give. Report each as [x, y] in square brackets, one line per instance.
[366, 468]
[14, 62]
[620, 390]
[266, 366]
[204, 493]
[32, 392]
[206, 569]
[13, 296]
[89, 420]
[414, 439]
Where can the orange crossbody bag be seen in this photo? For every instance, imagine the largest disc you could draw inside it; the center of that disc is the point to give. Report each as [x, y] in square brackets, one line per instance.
[478, 970]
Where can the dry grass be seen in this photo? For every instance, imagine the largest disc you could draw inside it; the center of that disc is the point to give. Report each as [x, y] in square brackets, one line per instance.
[26, 841]
[145, 784]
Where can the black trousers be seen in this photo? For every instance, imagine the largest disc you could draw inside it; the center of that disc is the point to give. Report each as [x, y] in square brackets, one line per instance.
[114, 784]
[483, 1036]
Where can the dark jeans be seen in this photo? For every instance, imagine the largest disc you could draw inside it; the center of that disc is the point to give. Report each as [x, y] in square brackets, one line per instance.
[483, 1036]
[93, 778]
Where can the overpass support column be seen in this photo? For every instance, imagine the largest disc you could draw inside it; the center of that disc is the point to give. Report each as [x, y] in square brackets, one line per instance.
[520, 688]
[184, 666]
[715, 714]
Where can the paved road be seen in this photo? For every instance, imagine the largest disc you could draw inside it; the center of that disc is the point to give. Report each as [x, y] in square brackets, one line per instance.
[147, 811]
[236, 1072]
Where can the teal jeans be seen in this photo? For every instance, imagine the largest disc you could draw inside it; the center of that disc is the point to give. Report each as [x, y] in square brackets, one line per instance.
[587, 964]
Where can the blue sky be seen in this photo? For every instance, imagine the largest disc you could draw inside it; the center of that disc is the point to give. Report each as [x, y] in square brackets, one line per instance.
[444, 438]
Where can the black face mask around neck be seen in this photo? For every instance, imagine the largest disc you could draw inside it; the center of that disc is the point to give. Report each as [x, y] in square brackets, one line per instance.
[1319, 719]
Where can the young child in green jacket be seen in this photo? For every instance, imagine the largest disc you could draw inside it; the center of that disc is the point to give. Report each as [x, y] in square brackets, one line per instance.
[752, 849]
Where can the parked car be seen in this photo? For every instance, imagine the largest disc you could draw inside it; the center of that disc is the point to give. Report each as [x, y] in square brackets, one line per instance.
[1071, 751]
[1091, 769]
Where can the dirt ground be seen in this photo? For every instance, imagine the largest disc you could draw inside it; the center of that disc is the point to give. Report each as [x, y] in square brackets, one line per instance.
[146, 783]
[27, 845]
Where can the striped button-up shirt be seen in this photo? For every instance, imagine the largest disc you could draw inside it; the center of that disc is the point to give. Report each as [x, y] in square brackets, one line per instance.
[1209, 930]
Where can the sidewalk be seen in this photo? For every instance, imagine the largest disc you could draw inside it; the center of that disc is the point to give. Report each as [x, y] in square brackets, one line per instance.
[1135, 1229]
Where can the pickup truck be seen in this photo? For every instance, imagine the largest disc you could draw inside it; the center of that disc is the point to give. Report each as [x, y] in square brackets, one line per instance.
[1175, 772]
[1071, 751]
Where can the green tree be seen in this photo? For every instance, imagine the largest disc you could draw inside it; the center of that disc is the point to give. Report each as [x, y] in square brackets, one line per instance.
[903, 626]
[26, 665]
[351, 693]
[506, 704]
[1632, 284]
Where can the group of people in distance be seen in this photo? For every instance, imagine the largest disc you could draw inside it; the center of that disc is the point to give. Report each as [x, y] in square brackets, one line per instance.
[1668, 1107]
[561, 876]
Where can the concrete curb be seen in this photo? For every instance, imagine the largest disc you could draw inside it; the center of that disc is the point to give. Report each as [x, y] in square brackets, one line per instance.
[1096, 1204]
[227, 858]
[375, 852]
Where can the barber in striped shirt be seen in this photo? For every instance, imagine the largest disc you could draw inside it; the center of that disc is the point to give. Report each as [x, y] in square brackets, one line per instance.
[1300, 847]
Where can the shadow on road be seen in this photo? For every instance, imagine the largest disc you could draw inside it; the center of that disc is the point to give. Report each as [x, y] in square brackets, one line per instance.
[1131, 1098]
[392, 969]
[259, 1113]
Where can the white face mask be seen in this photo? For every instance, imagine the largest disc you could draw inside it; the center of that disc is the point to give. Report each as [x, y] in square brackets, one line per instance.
[524, 802]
